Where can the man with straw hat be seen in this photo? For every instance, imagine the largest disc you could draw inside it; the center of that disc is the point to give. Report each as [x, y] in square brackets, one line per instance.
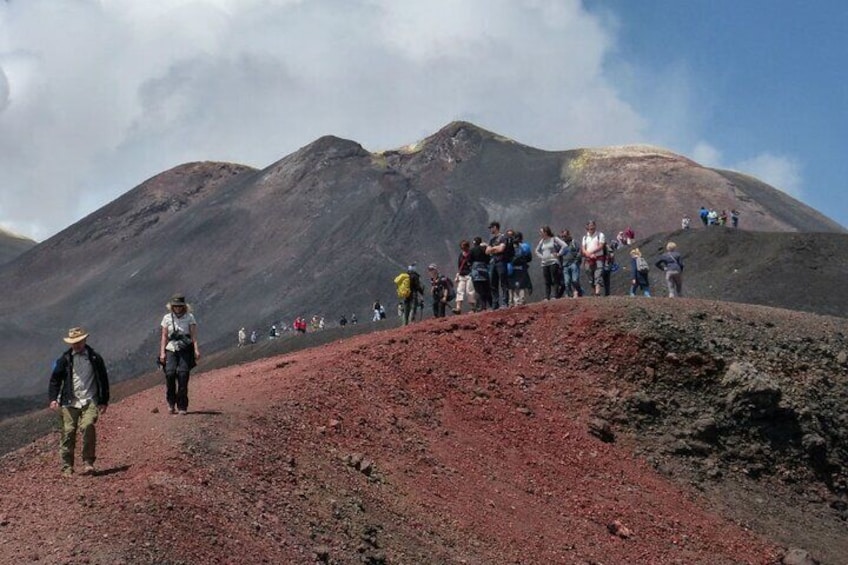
[79, 388]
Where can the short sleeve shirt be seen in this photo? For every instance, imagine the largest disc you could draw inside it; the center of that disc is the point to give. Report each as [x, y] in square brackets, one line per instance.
[181, 323]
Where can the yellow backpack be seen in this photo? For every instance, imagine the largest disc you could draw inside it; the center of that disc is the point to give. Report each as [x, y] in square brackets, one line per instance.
[404, 288]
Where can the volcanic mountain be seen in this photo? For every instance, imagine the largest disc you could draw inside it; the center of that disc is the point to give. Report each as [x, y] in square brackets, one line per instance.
[325, 229]
[12, 245]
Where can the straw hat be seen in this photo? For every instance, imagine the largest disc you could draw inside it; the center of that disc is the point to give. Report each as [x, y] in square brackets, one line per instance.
[76, 335]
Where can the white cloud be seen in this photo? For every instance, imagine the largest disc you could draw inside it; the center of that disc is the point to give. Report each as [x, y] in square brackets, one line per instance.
[777, 170]
[100, 95]
[706, 155]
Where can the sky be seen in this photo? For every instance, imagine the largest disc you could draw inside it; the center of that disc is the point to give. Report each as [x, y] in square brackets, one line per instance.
[97, 96]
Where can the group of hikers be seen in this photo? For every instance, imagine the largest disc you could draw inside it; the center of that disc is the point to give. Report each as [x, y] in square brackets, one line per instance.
[494, 274]
[488, 276]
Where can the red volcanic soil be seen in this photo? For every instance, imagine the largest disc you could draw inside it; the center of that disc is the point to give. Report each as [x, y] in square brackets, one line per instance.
[475, 439]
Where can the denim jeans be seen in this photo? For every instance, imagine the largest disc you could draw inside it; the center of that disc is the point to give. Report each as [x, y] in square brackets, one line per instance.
[571, 279]
[499, 280]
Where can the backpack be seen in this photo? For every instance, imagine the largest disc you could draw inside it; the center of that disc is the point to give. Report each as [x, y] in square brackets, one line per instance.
[404, 286]
[524, 255]
[642, 265]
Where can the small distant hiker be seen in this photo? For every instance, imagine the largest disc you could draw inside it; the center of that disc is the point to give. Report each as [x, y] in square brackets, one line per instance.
[242, 337]
[480, 275]
[639, 271]
[592, 248]
[548, 250]
[253, 336]
[704, 214]
[272, 333]
[353, 319]
[409, 290]
[520, 284]
[462, 282]
[734, 218]
[442, 291]
[685, 222]
[343, 321]
[500, 251]
[79, 389]
[571, 258]
[379, 312]
[629, 236]
[178, 351]
[672, 263]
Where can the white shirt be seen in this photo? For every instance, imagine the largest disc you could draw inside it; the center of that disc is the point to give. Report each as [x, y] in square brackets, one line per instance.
[83, 376]
[182, 323]
[594, 244]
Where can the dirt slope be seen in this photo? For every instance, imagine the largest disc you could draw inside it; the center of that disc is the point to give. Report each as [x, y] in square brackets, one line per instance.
[562, 432]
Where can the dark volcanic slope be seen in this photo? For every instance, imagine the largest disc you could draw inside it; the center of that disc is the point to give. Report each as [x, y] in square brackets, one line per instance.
[12, 245]
[325, 230]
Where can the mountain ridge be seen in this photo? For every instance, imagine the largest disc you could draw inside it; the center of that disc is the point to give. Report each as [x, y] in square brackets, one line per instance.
[324, 230]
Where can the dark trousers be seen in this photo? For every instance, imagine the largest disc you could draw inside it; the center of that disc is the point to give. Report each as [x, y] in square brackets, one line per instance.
[499, 280]
[409, 307]
[438, 308]
[552, 274]
[484, 295]
[177, 369]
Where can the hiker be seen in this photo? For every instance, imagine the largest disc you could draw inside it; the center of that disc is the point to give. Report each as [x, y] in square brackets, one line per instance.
[672, 263]
[548, 250]
[178, 352]
[462, 283]
[520, 284]
[610, 266]
[353, 319]
[734, 218]
[408, 287]
[639, 270]
[242, 337]
[343, 321]
[712, 218]
[704, 214]
[629, 236]
[685, 222]
[571, 258]
[253, 336]
[377, 307]
[592, 250]
[272, 333]
[79, 388]
[442, 290]
[480, 275]
[499, 250]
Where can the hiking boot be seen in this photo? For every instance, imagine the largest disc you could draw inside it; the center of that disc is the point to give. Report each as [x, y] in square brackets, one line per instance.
[68, 472]
[172, 409]
[183, 412]
[88, 469]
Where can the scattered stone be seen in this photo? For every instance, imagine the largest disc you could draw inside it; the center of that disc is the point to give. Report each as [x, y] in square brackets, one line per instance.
[601, 429]
[798, 557]
[616, 528]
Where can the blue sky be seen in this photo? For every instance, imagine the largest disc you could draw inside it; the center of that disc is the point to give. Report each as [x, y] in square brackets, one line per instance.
[763, 77]
[98, 95]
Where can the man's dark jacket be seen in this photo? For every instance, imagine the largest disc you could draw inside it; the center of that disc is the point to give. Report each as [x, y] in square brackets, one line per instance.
[62, 379]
